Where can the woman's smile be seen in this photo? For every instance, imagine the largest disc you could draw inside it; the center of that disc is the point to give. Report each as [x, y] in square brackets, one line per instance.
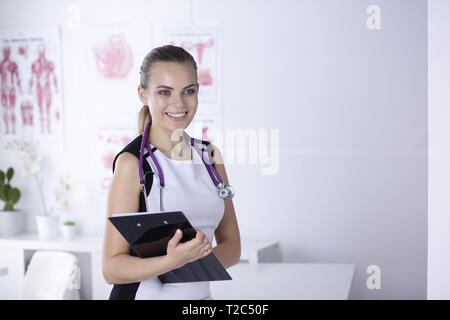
[178, 116]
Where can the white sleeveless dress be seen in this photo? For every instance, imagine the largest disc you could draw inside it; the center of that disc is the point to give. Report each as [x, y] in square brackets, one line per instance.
[189, 188]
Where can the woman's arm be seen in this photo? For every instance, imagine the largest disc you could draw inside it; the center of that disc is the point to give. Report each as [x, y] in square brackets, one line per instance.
[123, 196]
[228, 249]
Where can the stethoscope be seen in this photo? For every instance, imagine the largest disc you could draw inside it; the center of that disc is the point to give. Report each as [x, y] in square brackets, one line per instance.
[225, 192]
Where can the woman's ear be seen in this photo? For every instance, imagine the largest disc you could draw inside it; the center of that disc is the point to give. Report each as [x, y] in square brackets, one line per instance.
[142, 95]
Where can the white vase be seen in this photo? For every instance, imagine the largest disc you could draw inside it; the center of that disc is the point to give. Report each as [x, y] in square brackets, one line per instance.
[11, 223]
[68, 231]
[47, 226]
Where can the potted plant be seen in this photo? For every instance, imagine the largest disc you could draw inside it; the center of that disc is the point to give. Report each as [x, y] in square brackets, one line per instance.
[47, 225]
[11, 220]
[68, 229]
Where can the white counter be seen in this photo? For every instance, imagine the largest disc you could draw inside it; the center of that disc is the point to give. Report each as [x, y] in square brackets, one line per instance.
[79, 243]
[259, 275]
[16, 252]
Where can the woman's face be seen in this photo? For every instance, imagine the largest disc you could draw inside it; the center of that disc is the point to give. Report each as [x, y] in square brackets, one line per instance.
[171, 94]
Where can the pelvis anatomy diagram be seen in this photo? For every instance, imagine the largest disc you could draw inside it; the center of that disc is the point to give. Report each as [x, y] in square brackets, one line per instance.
[204, 77]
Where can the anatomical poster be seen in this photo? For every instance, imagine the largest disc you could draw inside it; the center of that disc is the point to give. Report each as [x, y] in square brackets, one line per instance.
[112, 56]
[108, 142]
[115, 51]
[31, 90]
[203, 44]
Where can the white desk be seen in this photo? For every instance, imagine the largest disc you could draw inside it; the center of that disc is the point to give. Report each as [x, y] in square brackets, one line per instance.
[16, 252]
[290, 281]
[251, 278]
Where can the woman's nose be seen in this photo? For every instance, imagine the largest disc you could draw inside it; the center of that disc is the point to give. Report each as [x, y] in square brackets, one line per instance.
[177, 99]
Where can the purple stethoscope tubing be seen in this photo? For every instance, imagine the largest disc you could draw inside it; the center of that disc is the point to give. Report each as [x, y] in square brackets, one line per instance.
[226, 192]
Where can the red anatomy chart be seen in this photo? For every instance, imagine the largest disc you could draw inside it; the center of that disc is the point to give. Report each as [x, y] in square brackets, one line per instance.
[31, 102]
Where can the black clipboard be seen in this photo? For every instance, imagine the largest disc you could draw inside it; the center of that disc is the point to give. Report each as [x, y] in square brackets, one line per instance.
[148, 235]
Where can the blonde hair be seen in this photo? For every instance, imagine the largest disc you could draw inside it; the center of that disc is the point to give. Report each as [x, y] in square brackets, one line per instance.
[167, 53]
[143, 118]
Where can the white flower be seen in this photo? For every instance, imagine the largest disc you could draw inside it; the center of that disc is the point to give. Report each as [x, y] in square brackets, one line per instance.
[32, 167]
[29, 160]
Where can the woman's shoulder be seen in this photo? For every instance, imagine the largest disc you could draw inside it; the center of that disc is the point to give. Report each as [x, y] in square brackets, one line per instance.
[129, 153]
[127, 164]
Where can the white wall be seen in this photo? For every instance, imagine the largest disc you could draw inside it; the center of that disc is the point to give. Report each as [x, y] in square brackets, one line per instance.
[438, 149]
[351, 106]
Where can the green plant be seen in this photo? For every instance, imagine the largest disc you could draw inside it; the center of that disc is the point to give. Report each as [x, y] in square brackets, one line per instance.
[8, 194]
[69, 223]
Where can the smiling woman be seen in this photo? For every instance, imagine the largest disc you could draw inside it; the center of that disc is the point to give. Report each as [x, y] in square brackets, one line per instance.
[171, 109]
[169, 92]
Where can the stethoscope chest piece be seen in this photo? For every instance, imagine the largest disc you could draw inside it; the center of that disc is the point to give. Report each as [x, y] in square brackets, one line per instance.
[226, 192]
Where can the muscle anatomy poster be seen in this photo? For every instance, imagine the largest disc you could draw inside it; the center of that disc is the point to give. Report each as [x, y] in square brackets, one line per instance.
[31, 95]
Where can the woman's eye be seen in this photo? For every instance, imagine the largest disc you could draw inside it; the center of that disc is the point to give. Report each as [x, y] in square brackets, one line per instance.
[190, 91]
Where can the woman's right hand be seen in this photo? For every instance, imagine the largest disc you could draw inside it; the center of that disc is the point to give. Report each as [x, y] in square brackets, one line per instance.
[179, 254]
